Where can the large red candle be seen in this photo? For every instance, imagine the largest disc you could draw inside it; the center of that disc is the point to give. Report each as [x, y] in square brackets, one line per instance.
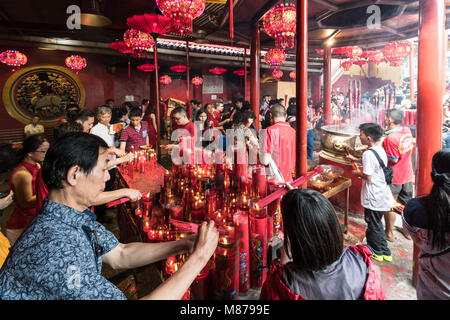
[225, 278]
[240, 220]
[259, 181]
[258, 246]
[130, 169]
[274, 211]
[211, 204]
[197, 215]
[201, 287]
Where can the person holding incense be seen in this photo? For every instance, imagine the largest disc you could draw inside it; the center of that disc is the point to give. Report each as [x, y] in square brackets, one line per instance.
[314, 264]
[60, 254]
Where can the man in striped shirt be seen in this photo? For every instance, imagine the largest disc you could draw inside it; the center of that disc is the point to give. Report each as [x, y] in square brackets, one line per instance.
[135, 135]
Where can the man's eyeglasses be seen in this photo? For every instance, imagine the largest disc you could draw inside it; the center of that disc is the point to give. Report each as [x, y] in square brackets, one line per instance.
[177, 118]
[42, 151]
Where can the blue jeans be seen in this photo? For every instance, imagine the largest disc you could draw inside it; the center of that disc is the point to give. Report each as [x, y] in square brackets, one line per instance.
[310, 143]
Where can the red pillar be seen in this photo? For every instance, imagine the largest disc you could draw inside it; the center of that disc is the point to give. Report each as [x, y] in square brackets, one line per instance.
[188, 84]
[412, 79]
[301, 165]
[431, 76]
[315, 88]
[255, 58]
[246, 92]
[157, 103]
[108, 84]
[327, 84]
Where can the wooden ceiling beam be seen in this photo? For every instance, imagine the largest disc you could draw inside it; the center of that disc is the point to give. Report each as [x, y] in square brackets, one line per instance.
[327, 4]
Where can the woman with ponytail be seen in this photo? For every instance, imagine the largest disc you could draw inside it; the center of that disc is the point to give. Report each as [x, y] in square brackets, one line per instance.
[23, 183]
[427, 220]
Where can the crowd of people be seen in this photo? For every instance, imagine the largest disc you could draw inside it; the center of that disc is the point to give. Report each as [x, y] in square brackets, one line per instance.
[58, 244]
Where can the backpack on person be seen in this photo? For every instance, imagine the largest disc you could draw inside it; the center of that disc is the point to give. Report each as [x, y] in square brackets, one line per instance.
[388, 171]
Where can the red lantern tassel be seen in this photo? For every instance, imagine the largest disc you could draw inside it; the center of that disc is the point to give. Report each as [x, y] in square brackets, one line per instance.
[231, 5]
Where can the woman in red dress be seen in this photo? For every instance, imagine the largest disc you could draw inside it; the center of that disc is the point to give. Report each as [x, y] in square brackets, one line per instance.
[23, 183]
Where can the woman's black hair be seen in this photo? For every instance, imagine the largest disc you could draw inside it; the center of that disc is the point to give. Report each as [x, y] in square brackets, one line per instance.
[118, 113]
[9, 157]
[197, 118]
[313, 236]
[31, 144]
[438, 201]
[72, 149]
[66, 127]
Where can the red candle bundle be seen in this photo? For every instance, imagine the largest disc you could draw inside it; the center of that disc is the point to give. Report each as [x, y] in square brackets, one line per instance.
[240, 220]
[141, 165]
[240, 171]
[259, 181]
[258, 246]
[347, 152]
[201, 287]
[176, 212]
[274, 212]
[225, 278]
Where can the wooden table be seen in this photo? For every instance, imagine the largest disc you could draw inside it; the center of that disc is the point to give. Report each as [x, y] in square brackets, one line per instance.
[338, 185]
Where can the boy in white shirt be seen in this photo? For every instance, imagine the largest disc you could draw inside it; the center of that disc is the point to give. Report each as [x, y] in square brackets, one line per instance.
[376, 197]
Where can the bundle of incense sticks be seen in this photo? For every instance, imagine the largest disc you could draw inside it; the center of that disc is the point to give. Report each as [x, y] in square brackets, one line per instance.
[280, 192]
[116, 202]
[399, 209]
[193, 227]
[354, 166]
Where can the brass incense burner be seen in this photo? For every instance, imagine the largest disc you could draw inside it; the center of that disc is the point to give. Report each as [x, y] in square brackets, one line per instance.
[334, 139]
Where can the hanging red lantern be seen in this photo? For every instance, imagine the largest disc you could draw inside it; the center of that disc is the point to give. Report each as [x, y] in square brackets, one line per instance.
[76, 63]
[280, 23]
[240, 72]
[275, 57]
[121, 46]
[360, 62]
[293, 75]
[217, 70]
[396, 52]
[165, 80]
[353, 52]
[148, 67]
[197, 81]
[179, 68]
[277, 74]
[346, 65]
[182, 12]
[139, 42]
[13, 59]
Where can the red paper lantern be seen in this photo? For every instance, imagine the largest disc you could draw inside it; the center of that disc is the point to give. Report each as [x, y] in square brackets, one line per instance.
[277, 74]
[360, 62]
[353, 52]
[179, 68]
[240, 72]
[217, 70]
[148, 67]
[275, 57]
[280, 23]
[396, 52]
[121, 46]
[151, 23]
[139, 42]
[197, 81]
[13, 59]
[346, 65]
[76, 63]
[165, 80]
[293, 75]
[182, 13]
[374, 56]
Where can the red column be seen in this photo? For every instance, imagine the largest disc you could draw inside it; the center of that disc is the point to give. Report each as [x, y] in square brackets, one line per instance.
[255, 59]
[315, 88]
[412, 79]
[431, 76]
[108, 84]
[188, 84]
[301, 165]
[327, 84]
[246, 92]
[157, 104]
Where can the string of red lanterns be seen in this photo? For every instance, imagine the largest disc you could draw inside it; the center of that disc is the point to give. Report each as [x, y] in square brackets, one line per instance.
[13, 59]
[197, 81]
[182, 12]
[76, 63]
[280, 23]
[275, 57]
[396, 52]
